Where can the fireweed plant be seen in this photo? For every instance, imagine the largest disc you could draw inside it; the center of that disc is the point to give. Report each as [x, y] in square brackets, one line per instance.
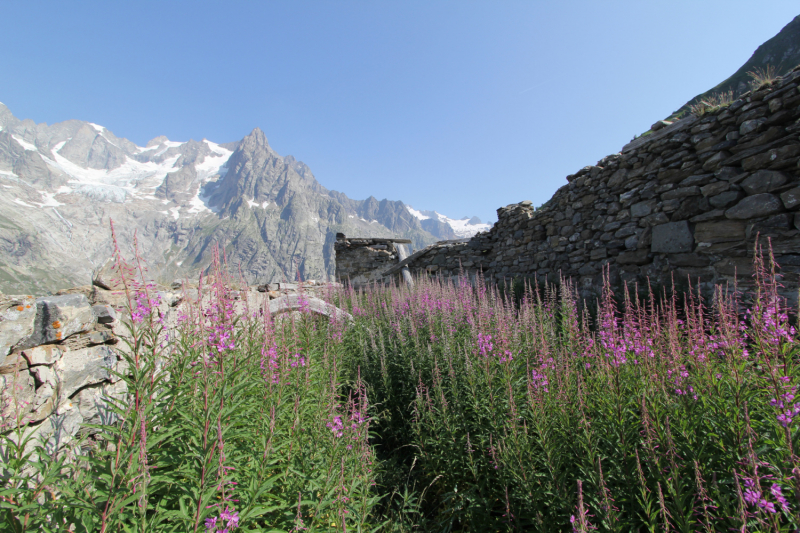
[659, 414]
[448, 406]
[235, 420]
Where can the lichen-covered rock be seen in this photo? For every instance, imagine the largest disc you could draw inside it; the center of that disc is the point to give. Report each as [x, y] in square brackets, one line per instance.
[17, 315]
[58, 317]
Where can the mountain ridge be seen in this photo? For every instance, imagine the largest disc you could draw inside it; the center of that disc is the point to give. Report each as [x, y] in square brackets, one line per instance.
[60, 185]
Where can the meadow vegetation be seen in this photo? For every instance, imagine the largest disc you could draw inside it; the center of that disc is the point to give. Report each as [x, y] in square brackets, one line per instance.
[444, 407]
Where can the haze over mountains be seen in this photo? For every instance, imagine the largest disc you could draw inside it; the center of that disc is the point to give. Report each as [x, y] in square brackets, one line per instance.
[61, 184]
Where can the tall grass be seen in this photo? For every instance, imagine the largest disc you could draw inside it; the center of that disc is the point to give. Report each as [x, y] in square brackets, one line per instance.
[446, 407]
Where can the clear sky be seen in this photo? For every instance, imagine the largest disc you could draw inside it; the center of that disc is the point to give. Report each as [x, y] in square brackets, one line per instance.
[459, 106]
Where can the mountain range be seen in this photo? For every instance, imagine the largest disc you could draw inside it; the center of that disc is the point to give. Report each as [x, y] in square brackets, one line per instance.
[62, 184]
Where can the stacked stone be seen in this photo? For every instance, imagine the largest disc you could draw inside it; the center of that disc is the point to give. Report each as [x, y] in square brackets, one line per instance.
[361, 262]
[450, 259]
[57, 365]
[685, 202]
[61, 359]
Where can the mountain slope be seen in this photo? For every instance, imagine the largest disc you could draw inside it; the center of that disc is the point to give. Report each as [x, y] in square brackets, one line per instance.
[61, 184]
[781, 53]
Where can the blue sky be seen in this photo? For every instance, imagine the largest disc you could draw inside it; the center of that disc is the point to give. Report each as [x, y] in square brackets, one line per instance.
[458, 106]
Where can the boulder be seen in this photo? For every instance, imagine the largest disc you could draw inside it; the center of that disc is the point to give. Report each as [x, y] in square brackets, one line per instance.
[58, 317]
[757, 205]
[764, 181]
[672, 238]
[17, 316]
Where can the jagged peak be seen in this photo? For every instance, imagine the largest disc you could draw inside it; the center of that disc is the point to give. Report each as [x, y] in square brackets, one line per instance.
[256, 139]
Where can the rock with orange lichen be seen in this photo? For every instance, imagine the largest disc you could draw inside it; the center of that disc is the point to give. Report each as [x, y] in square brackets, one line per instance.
[58, 317]
[17, 314]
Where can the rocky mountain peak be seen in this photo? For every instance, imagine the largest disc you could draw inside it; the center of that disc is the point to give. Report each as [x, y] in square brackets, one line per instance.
[255, 140]
[7, 120]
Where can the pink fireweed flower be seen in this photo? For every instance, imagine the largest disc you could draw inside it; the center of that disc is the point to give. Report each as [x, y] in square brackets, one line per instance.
[539, 380]
[485, 345]
[270, 368]
[779, 497]
[506, 357]
[336, 426]
[227, 521]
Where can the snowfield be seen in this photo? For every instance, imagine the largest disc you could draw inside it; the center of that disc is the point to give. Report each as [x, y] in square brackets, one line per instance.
[462, 228]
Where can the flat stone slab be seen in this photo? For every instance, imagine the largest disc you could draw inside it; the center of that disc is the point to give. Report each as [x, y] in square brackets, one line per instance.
[305, 303]
[758, 205]
[87, 366]
[672, 238]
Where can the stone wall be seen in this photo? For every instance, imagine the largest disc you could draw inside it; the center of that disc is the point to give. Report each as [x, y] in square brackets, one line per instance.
[57, 361]
[360, 262]
[60, 355]
[687, 201]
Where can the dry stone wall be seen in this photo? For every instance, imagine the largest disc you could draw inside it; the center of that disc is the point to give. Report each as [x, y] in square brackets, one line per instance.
[360, 262]
[61, 357]
[685, 202]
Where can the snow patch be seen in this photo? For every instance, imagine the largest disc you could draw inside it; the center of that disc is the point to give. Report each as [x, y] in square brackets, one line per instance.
[176, 213]
[132, 176]
[25, 144]
[49, 200]
[97, 127]
[21, 202]
[416, 213]
[462, 228]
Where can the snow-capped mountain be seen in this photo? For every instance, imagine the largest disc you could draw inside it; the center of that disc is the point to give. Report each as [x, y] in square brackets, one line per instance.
[61, 184]
[461, 228]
